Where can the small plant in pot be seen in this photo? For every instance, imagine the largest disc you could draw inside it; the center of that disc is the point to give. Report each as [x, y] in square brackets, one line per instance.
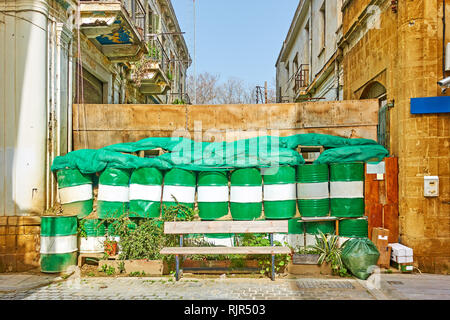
[110, 247]
[328, 248]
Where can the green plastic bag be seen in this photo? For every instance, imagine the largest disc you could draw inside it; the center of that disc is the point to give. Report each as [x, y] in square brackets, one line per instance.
[360, 255]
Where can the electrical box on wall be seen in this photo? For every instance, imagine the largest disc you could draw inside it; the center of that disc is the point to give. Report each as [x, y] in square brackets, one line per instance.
[447, 57]
[431, 186]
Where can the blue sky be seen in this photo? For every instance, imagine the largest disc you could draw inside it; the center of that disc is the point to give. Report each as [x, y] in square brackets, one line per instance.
[236, 38]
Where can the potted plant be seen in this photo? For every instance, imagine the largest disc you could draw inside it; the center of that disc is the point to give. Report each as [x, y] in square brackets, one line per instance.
[306, 255]
[110, 247]
[330, 253]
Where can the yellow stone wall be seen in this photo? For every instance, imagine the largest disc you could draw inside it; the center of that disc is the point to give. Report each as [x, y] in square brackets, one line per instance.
[19, 243]
[405, 55]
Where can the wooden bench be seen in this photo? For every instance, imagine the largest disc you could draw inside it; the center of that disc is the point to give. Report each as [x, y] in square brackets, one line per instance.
[182, 228]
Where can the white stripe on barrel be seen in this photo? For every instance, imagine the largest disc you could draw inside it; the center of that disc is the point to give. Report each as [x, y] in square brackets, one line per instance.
[145, 192]
[279, 192]
[62, 244]
[183, 194]
[113, 193]
[346, 189]
[74, 194]
[92, 244]
[213, 193]
[246, 194]
[308, 191]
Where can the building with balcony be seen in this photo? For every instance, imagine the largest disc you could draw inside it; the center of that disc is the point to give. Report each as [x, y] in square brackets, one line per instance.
[144, 46]
[56, 53]
[308, 66]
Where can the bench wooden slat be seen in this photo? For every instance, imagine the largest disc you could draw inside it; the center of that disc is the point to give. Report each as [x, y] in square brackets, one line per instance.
[225, 250]
[274, 226]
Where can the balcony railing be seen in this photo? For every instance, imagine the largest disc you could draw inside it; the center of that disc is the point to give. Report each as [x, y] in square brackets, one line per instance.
[157, 53]
[135, 10]
[301, 78]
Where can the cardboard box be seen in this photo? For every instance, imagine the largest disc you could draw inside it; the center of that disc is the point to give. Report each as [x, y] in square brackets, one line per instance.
[385, 257]
[380, 237]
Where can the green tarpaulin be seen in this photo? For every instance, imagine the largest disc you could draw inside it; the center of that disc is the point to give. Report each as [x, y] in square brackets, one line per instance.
[217, 156]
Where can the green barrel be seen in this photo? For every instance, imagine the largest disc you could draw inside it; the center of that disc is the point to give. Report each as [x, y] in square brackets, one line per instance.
[313, 228]
[146, 193]
[179, 183]
[95, 236]
[113, 193]
[94, 227]
[59, 245]
[75, 192]
[347, 189]
[324, 226]
[295, 236]
[279, 192]
[212, 195]
[295, 226]
[354, 228]
[246, 194]
[312, 190]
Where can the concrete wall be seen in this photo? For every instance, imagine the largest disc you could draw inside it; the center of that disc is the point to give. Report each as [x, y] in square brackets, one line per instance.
[108, 124]
[405, 56]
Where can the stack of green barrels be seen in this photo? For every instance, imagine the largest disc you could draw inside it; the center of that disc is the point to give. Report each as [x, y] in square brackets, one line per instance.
[212, 199]
[318, 191]
[347, 199]
[314, 199]
[279, 198]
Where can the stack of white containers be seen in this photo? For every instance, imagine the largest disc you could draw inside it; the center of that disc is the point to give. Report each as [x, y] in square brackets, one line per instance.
[402, 255]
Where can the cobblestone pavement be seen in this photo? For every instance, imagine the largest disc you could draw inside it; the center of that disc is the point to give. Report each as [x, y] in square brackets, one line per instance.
[131, 288]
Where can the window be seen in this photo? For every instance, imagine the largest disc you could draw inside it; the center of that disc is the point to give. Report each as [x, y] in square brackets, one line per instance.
[322, 15]
[287, 70]
[295, 63]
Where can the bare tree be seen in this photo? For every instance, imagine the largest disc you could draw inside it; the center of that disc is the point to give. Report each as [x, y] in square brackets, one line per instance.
[233, 91]
[206, 88]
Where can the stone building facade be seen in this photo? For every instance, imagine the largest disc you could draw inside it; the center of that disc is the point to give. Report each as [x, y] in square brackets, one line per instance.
[54, 53]
[308, 66]
[393, 51]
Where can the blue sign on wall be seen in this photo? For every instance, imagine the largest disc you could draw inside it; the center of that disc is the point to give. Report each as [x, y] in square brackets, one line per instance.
[430, 105]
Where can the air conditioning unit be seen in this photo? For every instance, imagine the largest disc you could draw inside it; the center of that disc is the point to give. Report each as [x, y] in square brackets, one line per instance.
[447, 57]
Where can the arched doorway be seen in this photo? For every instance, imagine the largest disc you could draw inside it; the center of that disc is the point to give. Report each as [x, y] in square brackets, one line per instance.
[376, 90]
